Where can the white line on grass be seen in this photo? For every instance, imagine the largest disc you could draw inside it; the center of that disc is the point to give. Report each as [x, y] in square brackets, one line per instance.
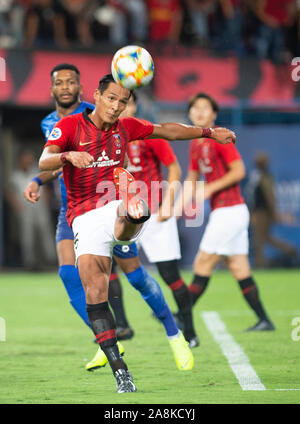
[238, 360]
[287, 312]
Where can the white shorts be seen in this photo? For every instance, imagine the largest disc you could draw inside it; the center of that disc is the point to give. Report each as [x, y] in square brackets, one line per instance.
[160, 240]
[227, 231]
[94, 231]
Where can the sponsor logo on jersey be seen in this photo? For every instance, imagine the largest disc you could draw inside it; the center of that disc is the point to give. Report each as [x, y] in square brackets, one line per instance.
[103, 160]
[55, 134]
[82, 143]
[117, 140]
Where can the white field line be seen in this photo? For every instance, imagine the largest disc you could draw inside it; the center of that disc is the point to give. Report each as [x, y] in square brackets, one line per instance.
[295, 312]
[236, 357]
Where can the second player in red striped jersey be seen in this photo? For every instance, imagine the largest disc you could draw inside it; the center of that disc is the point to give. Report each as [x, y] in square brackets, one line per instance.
[226, 234]
[213, 160]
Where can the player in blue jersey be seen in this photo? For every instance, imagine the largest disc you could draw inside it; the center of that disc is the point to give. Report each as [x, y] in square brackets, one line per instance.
[66, 90]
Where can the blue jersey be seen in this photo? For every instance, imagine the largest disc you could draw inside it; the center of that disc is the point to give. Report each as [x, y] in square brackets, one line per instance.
[47, 125]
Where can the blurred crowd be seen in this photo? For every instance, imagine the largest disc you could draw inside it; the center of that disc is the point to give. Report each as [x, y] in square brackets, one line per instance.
[263, 28]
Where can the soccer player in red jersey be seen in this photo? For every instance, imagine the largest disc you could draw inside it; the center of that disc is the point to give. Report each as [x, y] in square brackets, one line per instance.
[226, 234]
[160, 240]
[90, 146]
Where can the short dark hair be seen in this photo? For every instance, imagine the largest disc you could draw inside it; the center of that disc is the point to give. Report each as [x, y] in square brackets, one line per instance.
[63, 66]
[206, 96]
[105, 81]
[134, 96]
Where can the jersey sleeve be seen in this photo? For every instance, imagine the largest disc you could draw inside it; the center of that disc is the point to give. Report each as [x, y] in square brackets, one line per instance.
[62, 135]
[138, 129]
[193, 159]
[162, 150]
[228, 152]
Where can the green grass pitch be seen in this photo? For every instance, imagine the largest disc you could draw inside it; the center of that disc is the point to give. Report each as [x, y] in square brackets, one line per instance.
[47, 346]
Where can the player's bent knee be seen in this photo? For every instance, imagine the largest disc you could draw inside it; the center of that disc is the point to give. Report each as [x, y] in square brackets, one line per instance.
[96, 294]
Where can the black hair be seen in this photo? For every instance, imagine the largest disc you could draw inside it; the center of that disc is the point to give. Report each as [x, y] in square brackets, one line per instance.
[206, 96]
[105, 81]
[134, 96]
[63, 66]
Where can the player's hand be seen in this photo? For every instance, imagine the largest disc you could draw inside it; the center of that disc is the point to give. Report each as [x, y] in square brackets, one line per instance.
[80, 159]
[58, 171]
[32, 192]
[223, 135]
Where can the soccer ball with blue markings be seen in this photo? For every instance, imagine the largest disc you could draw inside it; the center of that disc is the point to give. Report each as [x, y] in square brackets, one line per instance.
[132, 67]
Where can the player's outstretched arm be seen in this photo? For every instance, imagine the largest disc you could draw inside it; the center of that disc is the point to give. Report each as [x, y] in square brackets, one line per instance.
[174, 131]
[52, 158]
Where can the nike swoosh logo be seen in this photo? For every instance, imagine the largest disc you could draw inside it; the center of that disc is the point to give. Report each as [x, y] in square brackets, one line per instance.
[83, 144]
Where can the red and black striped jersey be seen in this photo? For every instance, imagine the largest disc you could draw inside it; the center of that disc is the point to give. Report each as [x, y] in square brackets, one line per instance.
[211, 159]
[145, 159]
[93, 187]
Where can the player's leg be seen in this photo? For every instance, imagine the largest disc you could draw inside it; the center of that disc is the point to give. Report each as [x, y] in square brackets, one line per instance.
[149, 290]
[132, 212]
[67, 270]
[94, 273]
[240, 268]
[93, 240]
[169, 272]
[160, 243]
[153, 296]
[204, 264]
[69, 275]
[115, 296]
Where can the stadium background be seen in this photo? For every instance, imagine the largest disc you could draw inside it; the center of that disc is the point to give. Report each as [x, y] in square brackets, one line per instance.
[259, 98]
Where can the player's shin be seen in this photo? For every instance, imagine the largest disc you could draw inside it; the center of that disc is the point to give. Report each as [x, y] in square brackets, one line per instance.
[70, 277]
[153, 296]
[169, 272]
[115, 297]
[104, 327]
[198, 287]
[250, 293]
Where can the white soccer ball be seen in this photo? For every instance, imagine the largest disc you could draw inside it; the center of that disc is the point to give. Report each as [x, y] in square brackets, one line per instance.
[132, 67]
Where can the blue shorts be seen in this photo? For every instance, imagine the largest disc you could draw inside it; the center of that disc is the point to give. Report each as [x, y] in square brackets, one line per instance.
[125, 251]
[65, 232]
